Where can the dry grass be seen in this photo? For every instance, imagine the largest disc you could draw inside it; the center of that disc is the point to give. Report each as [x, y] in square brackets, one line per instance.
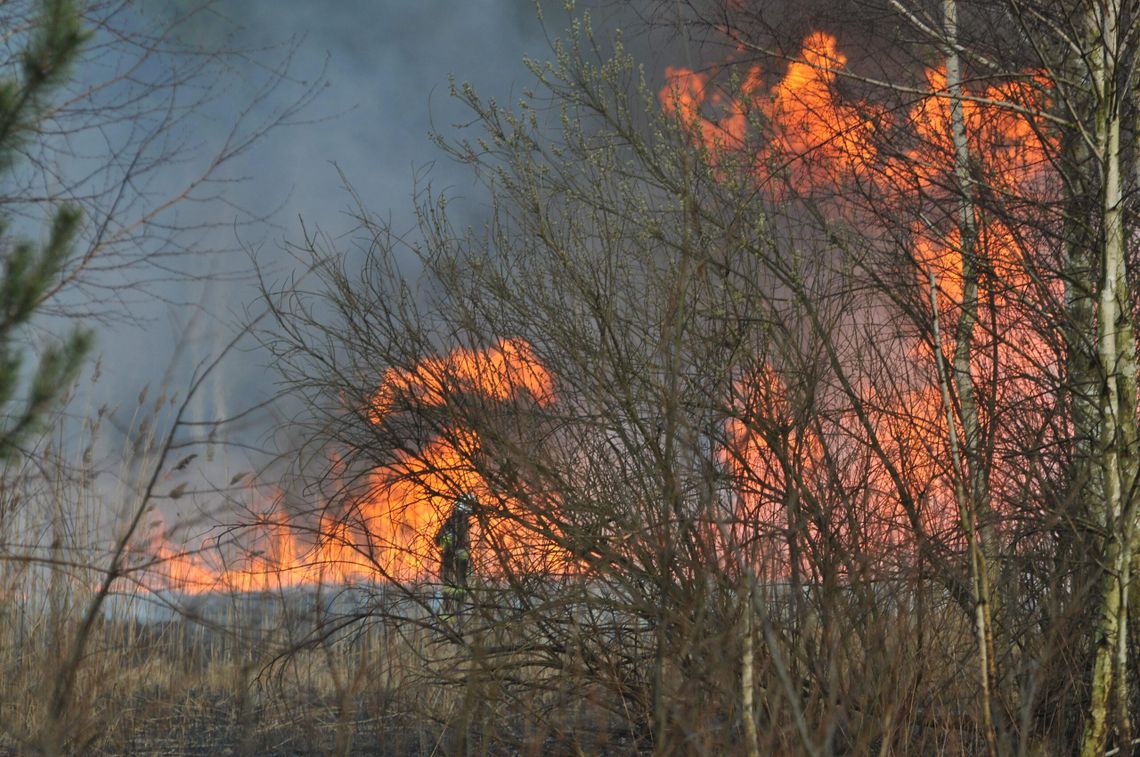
[578, 665]
[183, 687]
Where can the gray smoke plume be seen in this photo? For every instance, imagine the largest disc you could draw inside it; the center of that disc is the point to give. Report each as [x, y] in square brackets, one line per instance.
[380, 72]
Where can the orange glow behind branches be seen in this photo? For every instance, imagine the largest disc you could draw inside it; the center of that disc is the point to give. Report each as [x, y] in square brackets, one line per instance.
[501, 372]
[815, 137]
[809, 138]
[783, 482]
[389, 533]
[1009, 145]
[821, 138]
[686, 94]
[812, 139]
[770, 462]
[410, 501]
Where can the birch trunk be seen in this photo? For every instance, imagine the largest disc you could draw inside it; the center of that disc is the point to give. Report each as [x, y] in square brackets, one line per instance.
[1117, 356]
[747, 683]
[966, 522]
[974, 503]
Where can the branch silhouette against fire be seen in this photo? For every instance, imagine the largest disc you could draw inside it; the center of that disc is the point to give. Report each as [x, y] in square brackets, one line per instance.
[801, 140]
[813, 143]
[391, 532]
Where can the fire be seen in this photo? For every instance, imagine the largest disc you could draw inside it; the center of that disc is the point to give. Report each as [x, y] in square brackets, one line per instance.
[687, 93]
[800, 134]
[820, 136]
[388, 534]
[783, 473]
[797, 135]
[272, 553]
[501, 372]
[1010, 146]
[815, 137]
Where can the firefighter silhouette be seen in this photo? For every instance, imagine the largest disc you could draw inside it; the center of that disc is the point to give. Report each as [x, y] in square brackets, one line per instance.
[454, 542]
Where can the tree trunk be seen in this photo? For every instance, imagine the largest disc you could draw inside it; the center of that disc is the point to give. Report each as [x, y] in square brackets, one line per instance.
[974, 502]
[1117, 354]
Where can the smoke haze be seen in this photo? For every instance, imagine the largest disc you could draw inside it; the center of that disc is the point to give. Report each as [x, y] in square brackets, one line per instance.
[383, 83]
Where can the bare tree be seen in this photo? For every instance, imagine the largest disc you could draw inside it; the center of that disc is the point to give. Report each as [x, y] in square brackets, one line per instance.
[842, 384]
[107, 143]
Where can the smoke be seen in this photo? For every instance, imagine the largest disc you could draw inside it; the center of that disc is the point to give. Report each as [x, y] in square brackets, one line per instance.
[380, 71]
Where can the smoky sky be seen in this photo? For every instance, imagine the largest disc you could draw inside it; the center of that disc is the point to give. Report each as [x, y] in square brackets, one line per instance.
[386, 66]
[380, 70]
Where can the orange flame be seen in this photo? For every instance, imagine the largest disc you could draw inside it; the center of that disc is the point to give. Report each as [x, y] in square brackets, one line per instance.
[389, 533]
[815, 138]
[501, 372]
[807, 137]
